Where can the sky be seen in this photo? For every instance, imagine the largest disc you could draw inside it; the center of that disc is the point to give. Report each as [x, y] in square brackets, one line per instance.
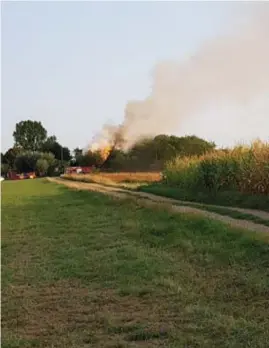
[74, 65]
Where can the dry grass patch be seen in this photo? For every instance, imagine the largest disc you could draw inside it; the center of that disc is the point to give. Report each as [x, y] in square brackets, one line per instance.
[133, 177]
[129, 180]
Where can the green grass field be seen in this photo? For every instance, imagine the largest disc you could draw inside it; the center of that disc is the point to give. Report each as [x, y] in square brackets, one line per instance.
[81, 269]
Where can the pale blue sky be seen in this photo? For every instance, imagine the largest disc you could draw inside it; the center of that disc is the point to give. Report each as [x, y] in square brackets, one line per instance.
[74, 65]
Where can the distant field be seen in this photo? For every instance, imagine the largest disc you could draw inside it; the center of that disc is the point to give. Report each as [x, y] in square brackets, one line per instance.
[80, 269]
[123, 176]
[126, 180]
[133, 177]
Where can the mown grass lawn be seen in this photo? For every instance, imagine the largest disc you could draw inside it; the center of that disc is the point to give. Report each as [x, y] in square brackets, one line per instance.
[81, 269]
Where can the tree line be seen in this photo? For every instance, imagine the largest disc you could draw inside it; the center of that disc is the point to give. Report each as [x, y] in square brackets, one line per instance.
[152, 153]
[35, 151]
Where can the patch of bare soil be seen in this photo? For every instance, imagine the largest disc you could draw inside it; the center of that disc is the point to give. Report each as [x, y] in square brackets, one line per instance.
[66, 314]
[153, 200]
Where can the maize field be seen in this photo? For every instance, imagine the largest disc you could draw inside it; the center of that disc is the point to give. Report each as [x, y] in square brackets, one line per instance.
[243, 168]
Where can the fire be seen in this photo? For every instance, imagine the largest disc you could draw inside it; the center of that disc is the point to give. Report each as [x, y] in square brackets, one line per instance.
[105, 151]
[111, 137]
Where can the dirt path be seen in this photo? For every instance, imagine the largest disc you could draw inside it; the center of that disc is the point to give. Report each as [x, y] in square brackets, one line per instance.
[151, 199]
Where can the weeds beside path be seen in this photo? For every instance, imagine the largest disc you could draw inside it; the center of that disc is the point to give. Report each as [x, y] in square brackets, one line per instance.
[172, 204]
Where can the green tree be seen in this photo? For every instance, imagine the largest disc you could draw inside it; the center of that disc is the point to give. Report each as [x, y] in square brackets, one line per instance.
[152, 153]
[77, 152]
[4, 169]
[191, 145]
[29, 135]
[42, 166]
[117, 160]
[89, 159]
[60, 152]
[27, 161]
[10, 156]
[164, 148]
[51, 139]
[49, 157]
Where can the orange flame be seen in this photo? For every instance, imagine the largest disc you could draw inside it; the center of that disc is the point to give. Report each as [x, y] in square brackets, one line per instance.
[102, 149]
[105, 151]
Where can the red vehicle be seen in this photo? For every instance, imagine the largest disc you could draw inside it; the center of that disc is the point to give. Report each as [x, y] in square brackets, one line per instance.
[78, 170]
[15, 176]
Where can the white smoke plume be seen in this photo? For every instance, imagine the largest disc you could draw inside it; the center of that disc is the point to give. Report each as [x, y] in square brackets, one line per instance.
[229, 69]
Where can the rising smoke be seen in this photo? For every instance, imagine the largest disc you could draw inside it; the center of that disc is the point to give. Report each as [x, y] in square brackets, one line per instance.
[229, 69]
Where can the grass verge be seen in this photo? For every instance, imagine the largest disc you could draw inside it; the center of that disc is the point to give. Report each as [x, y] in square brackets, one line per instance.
[170, 192]
[81, 269]
[232, 199]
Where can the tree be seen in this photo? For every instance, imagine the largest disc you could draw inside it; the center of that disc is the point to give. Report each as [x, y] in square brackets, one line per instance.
[49, 157]
[4, 169]
[77, 152]
[10, 156]
[29, 135]
[60, 152]
[27, 161]
[51, 139]
[192, 145]
[117, 160]
[77, 155]
[152, 153]
[90, 159]
[42, 166]
[164, 148]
